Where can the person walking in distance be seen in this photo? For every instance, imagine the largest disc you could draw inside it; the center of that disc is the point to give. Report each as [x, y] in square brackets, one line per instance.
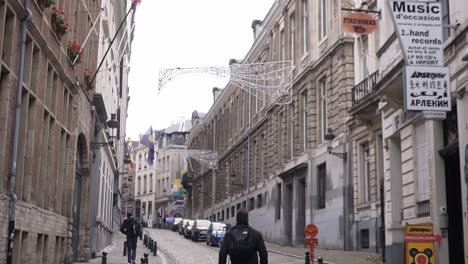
[132, 229]
[242, 243]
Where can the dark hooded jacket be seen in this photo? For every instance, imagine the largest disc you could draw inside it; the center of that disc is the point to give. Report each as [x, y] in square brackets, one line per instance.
[255, 242]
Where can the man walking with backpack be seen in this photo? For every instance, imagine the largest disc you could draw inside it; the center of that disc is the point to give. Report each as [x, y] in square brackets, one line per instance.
[242, 243]
[132, 229]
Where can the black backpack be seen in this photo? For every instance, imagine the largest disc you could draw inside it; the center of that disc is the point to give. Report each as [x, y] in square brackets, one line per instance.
[133, 228]
[242, 244]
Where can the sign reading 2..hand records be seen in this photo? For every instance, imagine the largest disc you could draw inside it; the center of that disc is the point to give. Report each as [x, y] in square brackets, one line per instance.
[427, 88]
[419, 27]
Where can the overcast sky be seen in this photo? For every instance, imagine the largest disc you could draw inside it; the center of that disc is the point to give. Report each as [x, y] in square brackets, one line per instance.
[184, 33]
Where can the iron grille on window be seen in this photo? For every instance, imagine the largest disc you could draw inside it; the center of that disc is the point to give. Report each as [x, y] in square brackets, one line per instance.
[424, 208]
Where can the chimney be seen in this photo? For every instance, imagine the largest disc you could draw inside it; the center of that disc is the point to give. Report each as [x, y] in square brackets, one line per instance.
[256, 27]
[216, 92]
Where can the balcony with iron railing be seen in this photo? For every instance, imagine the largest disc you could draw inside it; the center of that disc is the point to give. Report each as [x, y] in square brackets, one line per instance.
[364, 90]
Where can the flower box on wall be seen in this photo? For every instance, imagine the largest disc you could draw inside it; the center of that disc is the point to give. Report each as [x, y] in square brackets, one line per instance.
[74, 51]
[58, 22]
[45, 3]
[87, 79]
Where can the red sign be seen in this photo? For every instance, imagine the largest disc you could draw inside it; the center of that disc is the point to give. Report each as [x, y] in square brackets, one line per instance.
[310, 231]
[423, 238]
[311, 241]
[359, 23]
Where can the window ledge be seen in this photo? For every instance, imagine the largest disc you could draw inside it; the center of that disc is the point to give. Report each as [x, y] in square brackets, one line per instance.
[323, 40]
[362, 206]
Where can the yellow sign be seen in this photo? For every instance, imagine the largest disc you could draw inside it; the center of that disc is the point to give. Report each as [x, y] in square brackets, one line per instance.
[420, 244]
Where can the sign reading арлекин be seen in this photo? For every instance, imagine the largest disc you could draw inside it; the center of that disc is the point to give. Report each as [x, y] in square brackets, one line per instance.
[427, 88]
[419, 27]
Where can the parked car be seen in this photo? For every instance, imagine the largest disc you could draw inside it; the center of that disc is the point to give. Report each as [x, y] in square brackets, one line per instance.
[175, 224]
[215, 234]
[200, 229]
[188, 228]
[181, 226]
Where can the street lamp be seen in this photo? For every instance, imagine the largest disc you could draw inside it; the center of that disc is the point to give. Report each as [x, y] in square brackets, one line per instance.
[112, 124]
[329, 136]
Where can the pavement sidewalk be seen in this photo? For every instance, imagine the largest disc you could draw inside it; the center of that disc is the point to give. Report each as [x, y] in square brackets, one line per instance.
[329, 256]
[115, 252]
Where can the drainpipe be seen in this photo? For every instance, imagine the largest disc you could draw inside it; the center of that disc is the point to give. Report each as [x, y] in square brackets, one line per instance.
[348, 192]
[12, 176]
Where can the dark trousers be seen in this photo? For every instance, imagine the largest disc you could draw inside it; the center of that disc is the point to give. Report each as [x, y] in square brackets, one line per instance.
[131, 249]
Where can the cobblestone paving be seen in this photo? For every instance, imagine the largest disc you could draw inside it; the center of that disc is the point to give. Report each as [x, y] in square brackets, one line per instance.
[115, 252]
[184, 251]
[175, 249]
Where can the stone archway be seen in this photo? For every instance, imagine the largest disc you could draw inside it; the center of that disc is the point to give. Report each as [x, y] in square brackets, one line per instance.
[80, 208]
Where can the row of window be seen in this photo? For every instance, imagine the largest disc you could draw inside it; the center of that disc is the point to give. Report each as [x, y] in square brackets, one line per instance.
[231, 211]
[321, 197]
[146, 185]
[40, 246]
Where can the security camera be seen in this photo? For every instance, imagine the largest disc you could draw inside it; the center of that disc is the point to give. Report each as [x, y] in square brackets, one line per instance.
[443, 209]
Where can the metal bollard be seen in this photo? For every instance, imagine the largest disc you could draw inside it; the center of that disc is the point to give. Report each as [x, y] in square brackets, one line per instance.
[155, 248]
[150, 244]
[144, 259]
[320, 260]
[125, 249]
[307, 257]
[104, 258]
[145, 240]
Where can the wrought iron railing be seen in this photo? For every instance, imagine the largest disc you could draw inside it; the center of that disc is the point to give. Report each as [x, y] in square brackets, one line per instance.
[364, 89]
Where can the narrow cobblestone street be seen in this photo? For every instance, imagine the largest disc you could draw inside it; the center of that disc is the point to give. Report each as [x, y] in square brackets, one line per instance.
[184, 251]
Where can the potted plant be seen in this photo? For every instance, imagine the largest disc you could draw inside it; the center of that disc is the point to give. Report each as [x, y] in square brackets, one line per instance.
[74, 51]
[58, 22]
[87, 78]
[45, 3]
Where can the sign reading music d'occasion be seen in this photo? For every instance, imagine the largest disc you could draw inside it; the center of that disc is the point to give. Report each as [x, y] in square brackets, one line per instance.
[419, 27]
[427, 88]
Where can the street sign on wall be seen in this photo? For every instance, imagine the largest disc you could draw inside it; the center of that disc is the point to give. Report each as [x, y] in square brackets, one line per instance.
[427, 88]
[419, 28]
[420, 246]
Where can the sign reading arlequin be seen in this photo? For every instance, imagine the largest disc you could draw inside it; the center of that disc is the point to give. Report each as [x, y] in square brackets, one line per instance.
[419, 27]
[427, 88]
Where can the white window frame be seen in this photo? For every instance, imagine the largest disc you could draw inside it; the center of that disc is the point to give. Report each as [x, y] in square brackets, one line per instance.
[365, 172]
[323, 108]
[283, 45]
[304, 119]
[305, 26]
[323, 23]
[292, 22]
[364, 41]
[422, 162]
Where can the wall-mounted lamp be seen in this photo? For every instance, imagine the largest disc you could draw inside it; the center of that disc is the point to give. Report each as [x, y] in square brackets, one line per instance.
[329, 136]
[112, 124]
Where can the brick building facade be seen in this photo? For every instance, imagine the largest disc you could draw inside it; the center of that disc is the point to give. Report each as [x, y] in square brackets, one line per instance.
[52, 162]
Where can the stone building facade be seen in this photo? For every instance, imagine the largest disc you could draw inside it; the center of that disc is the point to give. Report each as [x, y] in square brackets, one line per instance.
[110, 102]
[410, 164]
[279, 161]
[154, 184]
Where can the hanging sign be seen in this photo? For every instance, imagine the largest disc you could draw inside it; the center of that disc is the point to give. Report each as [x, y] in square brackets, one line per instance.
[427, 88]
[420, 244]
[419, 28]
[359, 23]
